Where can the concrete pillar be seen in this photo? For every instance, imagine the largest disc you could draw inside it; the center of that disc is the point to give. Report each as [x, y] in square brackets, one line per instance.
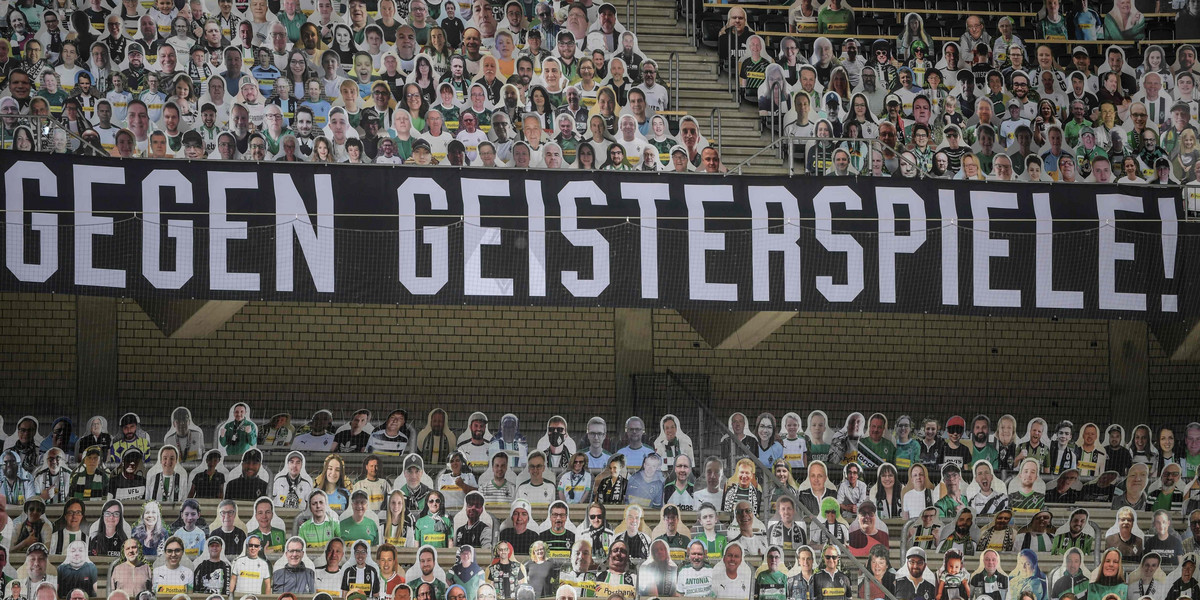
[184, 319]
[1129, 371]
[733, 330]
[633, 349]
[97, 357]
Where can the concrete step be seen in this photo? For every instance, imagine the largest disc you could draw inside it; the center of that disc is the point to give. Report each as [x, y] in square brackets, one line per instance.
[657, 27]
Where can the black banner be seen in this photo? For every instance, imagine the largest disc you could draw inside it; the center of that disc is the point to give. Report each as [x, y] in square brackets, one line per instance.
[373, 234]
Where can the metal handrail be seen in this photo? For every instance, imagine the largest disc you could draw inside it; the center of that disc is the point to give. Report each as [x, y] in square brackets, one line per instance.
[689, 21]
[775, 117]
[673, 69]
[715, 127]
[42, 132]
[770, 485]
[778, 145]
[731, 68]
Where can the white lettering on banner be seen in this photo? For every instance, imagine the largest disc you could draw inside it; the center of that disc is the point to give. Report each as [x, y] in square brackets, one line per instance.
[45, 224]
[984, 248]
[839, 242]
[221, 230]
[1170, 242]
[579, 287]
[1112, 251]
[437, 237]
[647, 194]
[179, 229]
[88, 225]
[763, 242]
[949, 247]
[1044, 292]
[475, 237]
[291, 217]
[890, 244]
[537, 238]
[701, 242]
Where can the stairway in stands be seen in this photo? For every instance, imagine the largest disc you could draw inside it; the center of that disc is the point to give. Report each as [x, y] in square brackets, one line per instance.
[701, 88]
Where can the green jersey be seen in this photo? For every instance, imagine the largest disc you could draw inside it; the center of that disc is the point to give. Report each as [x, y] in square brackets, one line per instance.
[272, 540]
[907, 454]
[434, 531]
[770, 585]
[364, 530]
[835, 21]
[988, 453]
[316, 535]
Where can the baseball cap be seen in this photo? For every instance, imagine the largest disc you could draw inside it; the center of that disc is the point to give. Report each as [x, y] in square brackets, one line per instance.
[956, 421]
[915, 551]
[135, 48]
[37, 547]
[418, 145]
[414, 461]
[608, 7]
[1079, 50]
[892, 98]
[1087, 131]
[192, 138]
[866, 508]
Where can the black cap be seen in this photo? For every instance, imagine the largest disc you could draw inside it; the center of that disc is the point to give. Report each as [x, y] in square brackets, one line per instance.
[416, 145]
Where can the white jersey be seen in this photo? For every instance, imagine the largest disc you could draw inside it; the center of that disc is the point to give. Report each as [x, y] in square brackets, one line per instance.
[453, 494]
[537, 494]
[251, 573]
[308, 441]
[330, 583]
[169, 581]
[724, 587]
[694, 582]
[794, 451]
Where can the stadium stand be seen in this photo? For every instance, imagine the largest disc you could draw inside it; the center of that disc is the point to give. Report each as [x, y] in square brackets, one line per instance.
[400, 508]
[90, 513]
[341, 77]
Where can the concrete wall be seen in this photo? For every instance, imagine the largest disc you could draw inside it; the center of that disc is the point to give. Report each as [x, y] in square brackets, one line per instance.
[537, 362]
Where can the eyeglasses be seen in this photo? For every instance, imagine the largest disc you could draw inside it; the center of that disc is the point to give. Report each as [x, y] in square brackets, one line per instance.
[831, 557]
[579, 462]
[74, 513]
[112, 513]
[595, 517]
[249, 546]
[176, 550]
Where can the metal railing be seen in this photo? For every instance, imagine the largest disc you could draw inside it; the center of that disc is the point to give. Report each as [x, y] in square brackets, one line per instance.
[787, 144]
[771, 489]
[774, 120]
[731, 67]
[714, 129]
[630, 16]
[689, 21]
[673, 68]
[43, 128]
